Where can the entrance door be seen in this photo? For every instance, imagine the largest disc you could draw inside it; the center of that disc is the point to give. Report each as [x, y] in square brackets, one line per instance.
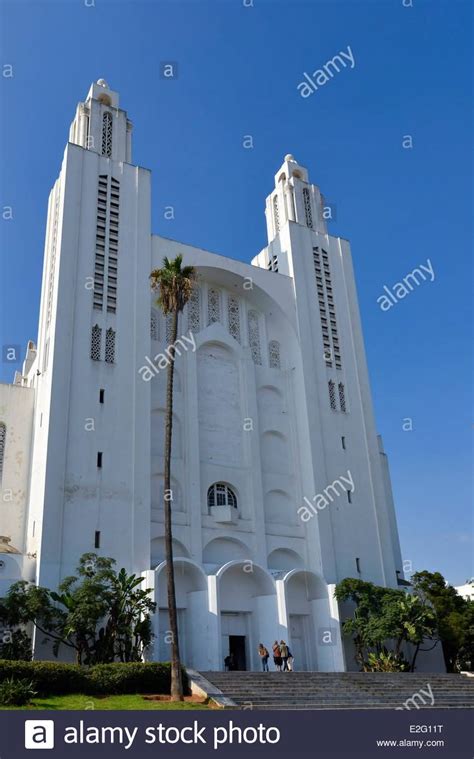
[234, 640]
[237, 652]
[298, 643]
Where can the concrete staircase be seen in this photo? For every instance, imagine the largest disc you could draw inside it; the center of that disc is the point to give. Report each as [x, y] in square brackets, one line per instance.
[334, 690]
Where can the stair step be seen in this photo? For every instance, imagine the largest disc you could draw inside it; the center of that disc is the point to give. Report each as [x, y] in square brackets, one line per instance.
[342, 690]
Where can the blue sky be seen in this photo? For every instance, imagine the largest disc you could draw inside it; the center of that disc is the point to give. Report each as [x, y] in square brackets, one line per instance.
[238, 71]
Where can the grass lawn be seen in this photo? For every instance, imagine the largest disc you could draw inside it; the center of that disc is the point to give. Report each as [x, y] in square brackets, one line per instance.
[79, 702]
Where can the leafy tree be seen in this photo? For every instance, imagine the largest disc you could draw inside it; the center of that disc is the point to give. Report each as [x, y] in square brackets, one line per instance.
[15, 645]
[454, 616]
[383, 621]
[385, 661]
[102, 615]
[465, 654]
[174, 284]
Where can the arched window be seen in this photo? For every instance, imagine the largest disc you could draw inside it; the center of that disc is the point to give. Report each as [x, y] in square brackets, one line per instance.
[254, 336]
[332, 395]
[110, 346]
[276, 214]
[221, 494]
[342, 398]
[96, 339]
[307, 207]
[274, 354]
[194, 310]
[107, 134]
[154, 325]
[3, 437]
[233, 312]
[213, 306]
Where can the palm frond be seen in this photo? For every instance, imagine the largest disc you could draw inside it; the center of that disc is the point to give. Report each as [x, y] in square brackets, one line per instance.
[173, 283]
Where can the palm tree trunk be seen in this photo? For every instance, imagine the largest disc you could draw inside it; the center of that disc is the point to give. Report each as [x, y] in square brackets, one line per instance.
[415, 654]
[176, 681]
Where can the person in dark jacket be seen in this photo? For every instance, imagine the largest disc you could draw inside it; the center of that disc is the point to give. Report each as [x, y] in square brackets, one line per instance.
[229, 663]
[284, 651]
[276, 656]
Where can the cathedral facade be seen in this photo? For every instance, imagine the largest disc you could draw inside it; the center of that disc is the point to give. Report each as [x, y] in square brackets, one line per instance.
[280, 484]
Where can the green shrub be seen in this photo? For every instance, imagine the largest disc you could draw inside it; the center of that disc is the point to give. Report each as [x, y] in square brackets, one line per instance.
[18, 646]
[57, 678]
[386, 661]
[16, 692]
[49, 678]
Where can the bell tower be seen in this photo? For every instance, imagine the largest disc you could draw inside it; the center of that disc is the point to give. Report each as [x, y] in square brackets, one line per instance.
[294, 199]
[91, 479]
[335, 378]
[101, 126]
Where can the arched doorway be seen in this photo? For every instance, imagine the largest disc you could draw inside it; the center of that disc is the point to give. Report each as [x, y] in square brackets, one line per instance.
[248, 613]
[192, 605]
[306, 598]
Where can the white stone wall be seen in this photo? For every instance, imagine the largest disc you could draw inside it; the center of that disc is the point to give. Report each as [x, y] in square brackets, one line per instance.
[366, 528]
[251, 410]
[74, 498]
[16, 413]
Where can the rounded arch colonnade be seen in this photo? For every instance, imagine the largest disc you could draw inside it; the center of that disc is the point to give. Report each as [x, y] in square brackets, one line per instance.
[229, 611]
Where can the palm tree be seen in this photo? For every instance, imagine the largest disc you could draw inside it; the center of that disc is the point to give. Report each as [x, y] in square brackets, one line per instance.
[174, 284]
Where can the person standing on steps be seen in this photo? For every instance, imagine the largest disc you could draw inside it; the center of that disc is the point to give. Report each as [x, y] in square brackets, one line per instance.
[276, 656]
[264, 656]
[290, 660]
[284, 651]
[229, 663]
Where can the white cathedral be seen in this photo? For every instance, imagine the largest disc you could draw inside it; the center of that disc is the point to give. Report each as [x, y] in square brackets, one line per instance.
[280, 482]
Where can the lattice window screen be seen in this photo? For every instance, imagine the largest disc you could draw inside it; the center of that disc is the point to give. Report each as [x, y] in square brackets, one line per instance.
[194, 310]
[276, 214]
[342, 397]
[272, 263]
[107, 134]
[332, 395]
[233, 312]
[96, 339]
[154, 325]
[213, 306]
[307, 207]
[110, 346]
[3, 437]
[254, 337]
[274, 354]
[52, 265]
